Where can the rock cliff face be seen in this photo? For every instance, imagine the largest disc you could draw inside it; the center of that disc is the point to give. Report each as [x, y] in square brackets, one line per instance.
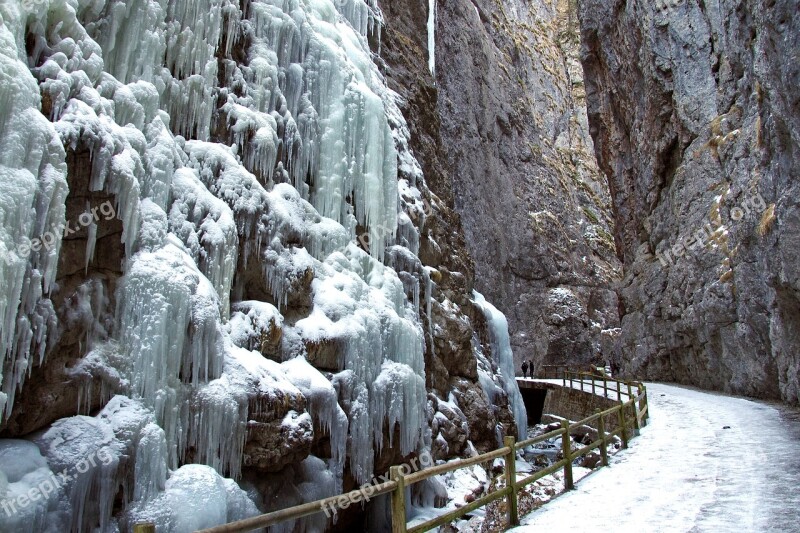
[695, 116]
[457, 327]
[535, 208]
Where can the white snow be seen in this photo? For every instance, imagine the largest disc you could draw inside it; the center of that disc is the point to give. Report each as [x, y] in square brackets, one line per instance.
[316, 142]
[686, 472]
[324, 408]
[250, 321]
[195, 497]
[23, 472]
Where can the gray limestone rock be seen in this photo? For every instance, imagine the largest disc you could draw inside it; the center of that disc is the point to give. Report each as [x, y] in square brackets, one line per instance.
[695, 116]
[535, 208]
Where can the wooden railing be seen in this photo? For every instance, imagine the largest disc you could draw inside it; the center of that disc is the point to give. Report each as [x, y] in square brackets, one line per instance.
[627, 416]
[598, 382]
[595, 383]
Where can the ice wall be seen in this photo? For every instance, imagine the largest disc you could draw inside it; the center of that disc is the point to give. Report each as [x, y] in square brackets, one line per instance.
[33, 189]
[504, 358]
[250, 149]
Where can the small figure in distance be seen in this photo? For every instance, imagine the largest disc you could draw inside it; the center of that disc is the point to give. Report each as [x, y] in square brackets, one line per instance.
[524, 369]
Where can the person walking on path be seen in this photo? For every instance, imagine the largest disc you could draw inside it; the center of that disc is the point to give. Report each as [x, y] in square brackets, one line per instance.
[524, 369]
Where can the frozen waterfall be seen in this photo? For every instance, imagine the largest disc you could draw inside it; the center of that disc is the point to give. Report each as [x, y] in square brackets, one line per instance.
[504, 358]
[432, 37]
[258, 279]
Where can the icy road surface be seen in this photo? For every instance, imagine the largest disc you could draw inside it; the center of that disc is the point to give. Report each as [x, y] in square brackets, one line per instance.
[685, 472]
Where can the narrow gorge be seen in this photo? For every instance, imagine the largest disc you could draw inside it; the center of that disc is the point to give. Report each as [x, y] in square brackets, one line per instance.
[255, 252]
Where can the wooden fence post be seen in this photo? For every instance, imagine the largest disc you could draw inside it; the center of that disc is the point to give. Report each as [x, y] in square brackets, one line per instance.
[511, 480]
[624, 429]
[642, 404]
[601, 428]
[630, 394]
[647, 412]
[619, 392]
[605, 388]
[398, 500]
[144, 528]
[593, 384]
[567, 450]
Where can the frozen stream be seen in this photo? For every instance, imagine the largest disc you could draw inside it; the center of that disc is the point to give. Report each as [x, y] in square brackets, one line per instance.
[743, 478]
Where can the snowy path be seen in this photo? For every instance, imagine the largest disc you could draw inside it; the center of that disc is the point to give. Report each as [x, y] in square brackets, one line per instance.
[706, 482]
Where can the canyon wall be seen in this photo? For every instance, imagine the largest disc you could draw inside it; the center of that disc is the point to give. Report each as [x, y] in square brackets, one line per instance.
[535, 208]
[695, 116]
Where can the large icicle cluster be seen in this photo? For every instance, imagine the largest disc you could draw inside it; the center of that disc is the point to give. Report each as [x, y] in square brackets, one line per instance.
[90, 459]
[270, 167]
[33, 190]
[315, 104]
[360, 304]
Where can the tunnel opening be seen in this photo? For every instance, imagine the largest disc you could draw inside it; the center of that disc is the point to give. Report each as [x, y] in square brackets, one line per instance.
[534, 403]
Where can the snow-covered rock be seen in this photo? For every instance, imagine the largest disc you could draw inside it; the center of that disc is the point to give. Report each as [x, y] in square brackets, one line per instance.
[251, 159]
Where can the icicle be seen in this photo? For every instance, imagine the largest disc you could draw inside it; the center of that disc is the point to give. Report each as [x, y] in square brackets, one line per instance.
[91, 240]
[407, 234]
[361, 304]
[339, 134]
[114, 171]
[160, 297]
[398, 394]
[256, 135]
[206, 226]
[217, 426]
[362, 431]
[132, 38]
[161, 159]
[429, 288]
[150, 468]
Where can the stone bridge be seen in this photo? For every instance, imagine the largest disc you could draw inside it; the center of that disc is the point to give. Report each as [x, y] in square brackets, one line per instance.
[551, 396]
